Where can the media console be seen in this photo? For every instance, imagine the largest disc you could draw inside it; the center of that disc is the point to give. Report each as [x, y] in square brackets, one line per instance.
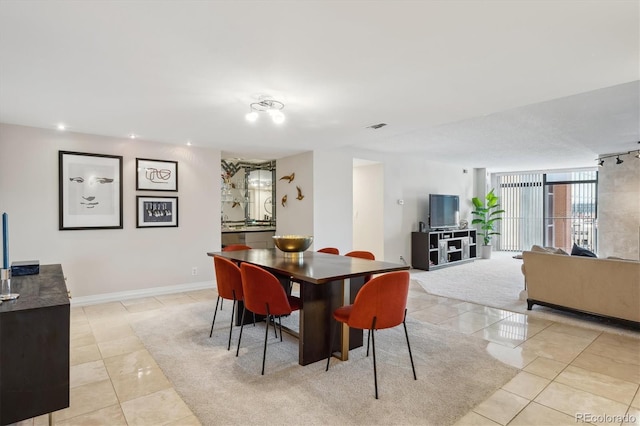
[436, 249]
[34, 346]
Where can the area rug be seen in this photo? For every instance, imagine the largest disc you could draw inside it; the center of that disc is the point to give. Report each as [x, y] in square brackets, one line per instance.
[495, 282]
[454, 374]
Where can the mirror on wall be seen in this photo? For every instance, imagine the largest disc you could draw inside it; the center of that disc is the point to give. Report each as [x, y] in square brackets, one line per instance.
[248, 193]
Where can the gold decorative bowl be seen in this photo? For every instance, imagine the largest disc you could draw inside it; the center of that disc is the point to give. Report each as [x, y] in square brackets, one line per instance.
[293, 243]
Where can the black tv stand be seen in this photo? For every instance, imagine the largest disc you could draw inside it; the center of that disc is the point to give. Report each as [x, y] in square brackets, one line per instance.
[436, 249]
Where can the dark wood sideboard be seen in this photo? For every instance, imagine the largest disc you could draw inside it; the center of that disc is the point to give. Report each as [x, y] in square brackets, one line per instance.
[34, 346]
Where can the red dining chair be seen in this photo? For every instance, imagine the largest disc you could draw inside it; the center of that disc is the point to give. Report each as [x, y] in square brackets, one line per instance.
[362, 255]
[229, 282]
[264, 295]
[235, 247]
[330, 250]
[380, 303]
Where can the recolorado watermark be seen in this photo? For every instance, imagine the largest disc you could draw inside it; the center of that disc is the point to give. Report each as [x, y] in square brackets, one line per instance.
[605, 418]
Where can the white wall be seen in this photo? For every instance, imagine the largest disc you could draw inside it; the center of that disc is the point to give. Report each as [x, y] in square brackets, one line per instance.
[368, 209]
[99, 262]
[333, 190]
[296, 217]
[107, 261]
[410, 178]
[619, 209]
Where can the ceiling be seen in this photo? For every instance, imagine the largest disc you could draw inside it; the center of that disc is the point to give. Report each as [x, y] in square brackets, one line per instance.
[518, 85]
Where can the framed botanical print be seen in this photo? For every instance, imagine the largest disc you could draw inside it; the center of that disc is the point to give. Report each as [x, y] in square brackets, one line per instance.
[156, 212]
[89, 191]
[156, 175]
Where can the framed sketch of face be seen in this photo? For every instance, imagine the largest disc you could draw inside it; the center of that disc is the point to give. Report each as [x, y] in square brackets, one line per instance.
[90, 191]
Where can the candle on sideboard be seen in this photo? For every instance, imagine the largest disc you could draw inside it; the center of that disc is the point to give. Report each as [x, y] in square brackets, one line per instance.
[5, 241]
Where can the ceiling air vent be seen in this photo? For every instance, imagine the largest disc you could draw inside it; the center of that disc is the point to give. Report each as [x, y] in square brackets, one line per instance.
[376, 126]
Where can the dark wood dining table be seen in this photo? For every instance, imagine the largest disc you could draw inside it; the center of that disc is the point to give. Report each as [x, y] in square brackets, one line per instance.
[328, 281]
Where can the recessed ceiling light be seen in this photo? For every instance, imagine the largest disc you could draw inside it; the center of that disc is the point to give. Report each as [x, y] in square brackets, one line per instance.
[188, 143]
[61, 126]
[132, 136]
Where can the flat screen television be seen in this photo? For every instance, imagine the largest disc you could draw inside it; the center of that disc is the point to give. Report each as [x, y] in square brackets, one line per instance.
[444, 211]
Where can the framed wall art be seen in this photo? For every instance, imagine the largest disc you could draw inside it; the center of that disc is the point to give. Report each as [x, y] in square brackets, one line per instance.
[156, 212]
[156, 175]
[89, 191]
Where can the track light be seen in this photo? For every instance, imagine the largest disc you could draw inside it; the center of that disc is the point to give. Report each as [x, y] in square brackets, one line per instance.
[617, 155]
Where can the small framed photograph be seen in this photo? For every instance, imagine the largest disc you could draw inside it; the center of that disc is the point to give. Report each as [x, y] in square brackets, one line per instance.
[156, 175]
[156, 212]
[89, 191]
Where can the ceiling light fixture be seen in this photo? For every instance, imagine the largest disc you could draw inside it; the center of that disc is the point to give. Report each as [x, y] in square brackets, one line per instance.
[269, 106]
[61, 126]
[132, 136]
[617, 155]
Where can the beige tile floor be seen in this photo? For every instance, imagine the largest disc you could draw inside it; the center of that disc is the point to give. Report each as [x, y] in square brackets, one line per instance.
[567, 370]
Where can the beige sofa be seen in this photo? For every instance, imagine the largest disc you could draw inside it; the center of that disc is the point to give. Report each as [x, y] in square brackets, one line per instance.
[604, 287]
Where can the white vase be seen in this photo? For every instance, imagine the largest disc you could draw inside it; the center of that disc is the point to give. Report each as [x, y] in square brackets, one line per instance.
[485, 252]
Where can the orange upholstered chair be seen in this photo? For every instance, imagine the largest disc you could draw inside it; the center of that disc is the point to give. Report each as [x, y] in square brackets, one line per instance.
[229, 281]
[362, 255]
[330, 250]
[233, 247]
[236, 247]
[264, 295]
[381, 303]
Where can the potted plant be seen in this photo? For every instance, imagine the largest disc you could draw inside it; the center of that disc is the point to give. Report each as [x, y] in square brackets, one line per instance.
[486, 215]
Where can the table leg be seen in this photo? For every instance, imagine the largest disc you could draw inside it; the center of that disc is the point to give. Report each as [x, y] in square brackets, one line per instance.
[344, 339]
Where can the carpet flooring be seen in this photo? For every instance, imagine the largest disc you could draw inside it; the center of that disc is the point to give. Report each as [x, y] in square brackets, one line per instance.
[495, 282]
[454, 374]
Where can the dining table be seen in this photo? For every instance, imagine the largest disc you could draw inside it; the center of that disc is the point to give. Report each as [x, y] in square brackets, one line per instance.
[327, 281]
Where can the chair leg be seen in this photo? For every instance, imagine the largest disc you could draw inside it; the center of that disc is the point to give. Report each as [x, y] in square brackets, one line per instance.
[280, 322]
[221, 303]
[215, 312]
[373, 344]
[368, 338]
[241, 327]
[233, 307]
[331, 338]
[408, 345]
[271, 321]
[266, 334]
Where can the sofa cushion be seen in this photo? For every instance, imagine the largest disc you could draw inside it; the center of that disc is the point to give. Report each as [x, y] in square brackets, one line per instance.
[580, 251]
[552, 250]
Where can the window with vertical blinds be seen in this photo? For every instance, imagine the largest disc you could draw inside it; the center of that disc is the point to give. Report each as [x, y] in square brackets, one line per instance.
[549, 209]
[521, 196]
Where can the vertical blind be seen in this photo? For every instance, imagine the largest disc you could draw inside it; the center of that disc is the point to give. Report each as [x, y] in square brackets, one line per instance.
[552, 209]
[521, 196]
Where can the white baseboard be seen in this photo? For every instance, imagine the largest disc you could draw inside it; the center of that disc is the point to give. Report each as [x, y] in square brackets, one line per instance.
[136, 294]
